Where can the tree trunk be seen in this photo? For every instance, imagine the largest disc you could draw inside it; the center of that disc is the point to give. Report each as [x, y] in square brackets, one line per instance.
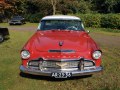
[54, 2]
[54, 10]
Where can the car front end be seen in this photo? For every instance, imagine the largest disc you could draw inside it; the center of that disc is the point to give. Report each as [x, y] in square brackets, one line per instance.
[61, 53]
[15, 22]
[61, 68]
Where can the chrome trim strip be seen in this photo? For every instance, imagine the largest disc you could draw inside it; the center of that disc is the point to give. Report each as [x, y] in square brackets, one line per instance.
[67, 59]
[61, 51]
[63, 60]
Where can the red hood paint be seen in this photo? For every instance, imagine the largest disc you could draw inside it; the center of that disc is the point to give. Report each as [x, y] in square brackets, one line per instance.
[43, 41]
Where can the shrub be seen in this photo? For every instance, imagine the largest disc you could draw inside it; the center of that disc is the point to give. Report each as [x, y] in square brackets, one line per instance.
[110, 21]
[101, 20]
[91, 20]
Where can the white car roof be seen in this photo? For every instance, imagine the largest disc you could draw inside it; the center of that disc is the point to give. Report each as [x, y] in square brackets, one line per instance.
[60, 17]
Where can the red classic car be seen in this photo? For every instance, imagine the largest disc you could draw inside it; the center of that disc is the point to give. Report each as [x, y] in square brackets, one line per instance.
[61, 48]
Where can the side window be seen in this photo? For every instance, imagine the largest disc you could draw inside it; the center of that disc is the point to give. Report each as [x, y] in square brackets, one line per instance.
[39, 26]
[82, 25]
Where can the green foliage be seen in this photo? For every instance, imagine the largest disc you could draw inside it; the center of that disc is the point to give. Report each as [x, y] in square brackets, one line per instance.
[34, 18]
[106, 6]
[111, 21]
[8, 8]
[84, 7]
[73, 6]
[101, 20]
[91, 20]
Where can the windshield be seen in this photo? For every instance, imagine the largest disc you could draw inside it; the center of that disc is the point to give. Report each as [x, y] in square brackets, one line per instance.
[61, 25]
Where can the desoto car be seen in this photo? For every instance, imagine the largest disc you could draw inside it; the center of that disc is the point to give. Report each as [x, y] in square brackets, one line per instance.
[61, 48]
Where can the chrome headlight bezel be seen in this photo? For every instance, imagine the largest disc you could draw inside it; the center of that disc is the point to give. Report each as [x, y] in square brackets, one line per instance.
[97, 54]
[25, 54]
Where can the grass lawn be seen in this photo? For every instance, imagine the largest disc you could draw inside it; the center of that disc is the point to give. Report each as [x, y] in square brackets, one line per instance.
[10, 61]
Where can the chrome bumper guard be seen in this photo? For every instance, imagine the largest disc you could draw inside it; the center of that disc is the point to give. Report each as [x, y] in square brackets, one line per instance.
[74, 72]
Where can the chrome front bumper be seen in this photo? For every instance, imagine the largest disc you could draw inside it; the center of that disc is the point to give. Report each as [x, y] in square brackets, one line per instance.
[48, 73]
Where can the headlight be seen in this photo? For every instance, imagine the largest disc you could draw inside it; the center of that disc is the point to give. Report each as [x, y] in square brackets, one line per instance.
[25, 54]
[97, 54]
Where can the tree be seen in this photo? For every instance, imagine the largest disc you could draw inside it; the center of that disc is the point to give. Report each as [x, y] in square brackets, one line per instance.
[106, 6]
[53, 3]
[110, 5]
[6, 10]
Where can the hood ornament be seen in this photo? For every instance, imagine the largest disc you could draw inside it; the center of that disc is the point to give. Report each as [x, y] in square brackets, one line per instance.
[61, 43]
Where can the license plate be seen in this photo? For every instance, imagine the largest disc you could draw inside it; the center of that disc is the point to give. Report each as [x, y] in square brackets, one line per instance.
[61, 75]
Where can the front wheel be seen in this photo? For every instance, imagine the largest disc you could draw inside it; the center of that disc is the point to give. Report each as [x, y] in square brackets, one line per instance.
[1, 38]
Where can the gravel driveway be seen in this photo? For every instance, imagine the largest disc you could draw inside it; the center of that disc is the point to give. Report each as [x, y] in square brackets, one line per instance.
[23, 28]
[106, 40]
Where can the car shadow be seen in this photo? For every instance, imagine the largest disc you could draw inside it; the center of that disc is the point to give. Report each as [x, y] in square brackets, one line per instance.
[37, 77]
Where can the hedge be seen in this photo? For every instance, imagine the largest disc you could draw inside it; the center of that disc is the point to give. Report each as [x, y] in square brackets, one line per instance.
[111, 21]
[89, 20]
[101, 20]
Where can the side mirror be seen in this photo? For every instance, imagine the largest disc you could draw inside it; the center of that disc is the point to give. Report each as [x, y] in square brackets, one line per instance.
[88, 31]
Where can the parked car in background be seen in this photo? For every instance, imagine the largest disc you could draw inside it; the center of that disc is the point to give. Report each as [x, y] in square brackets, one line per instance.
[17, 20]
[61, 48]
[4, 34]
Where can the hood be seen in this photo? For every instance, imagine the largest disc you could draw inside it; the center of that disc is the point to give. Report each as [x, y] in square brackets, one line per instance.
[43, 41]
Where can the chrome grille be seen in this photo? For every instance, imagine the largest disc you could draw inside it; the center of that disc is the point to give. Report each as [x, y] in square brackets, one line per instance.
[49, 64]
[34, 63]
[58, 64]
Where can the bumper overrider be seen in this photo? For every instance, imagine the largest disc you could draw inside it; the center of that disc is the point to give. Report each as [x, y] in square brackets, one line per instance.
[62, 73]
